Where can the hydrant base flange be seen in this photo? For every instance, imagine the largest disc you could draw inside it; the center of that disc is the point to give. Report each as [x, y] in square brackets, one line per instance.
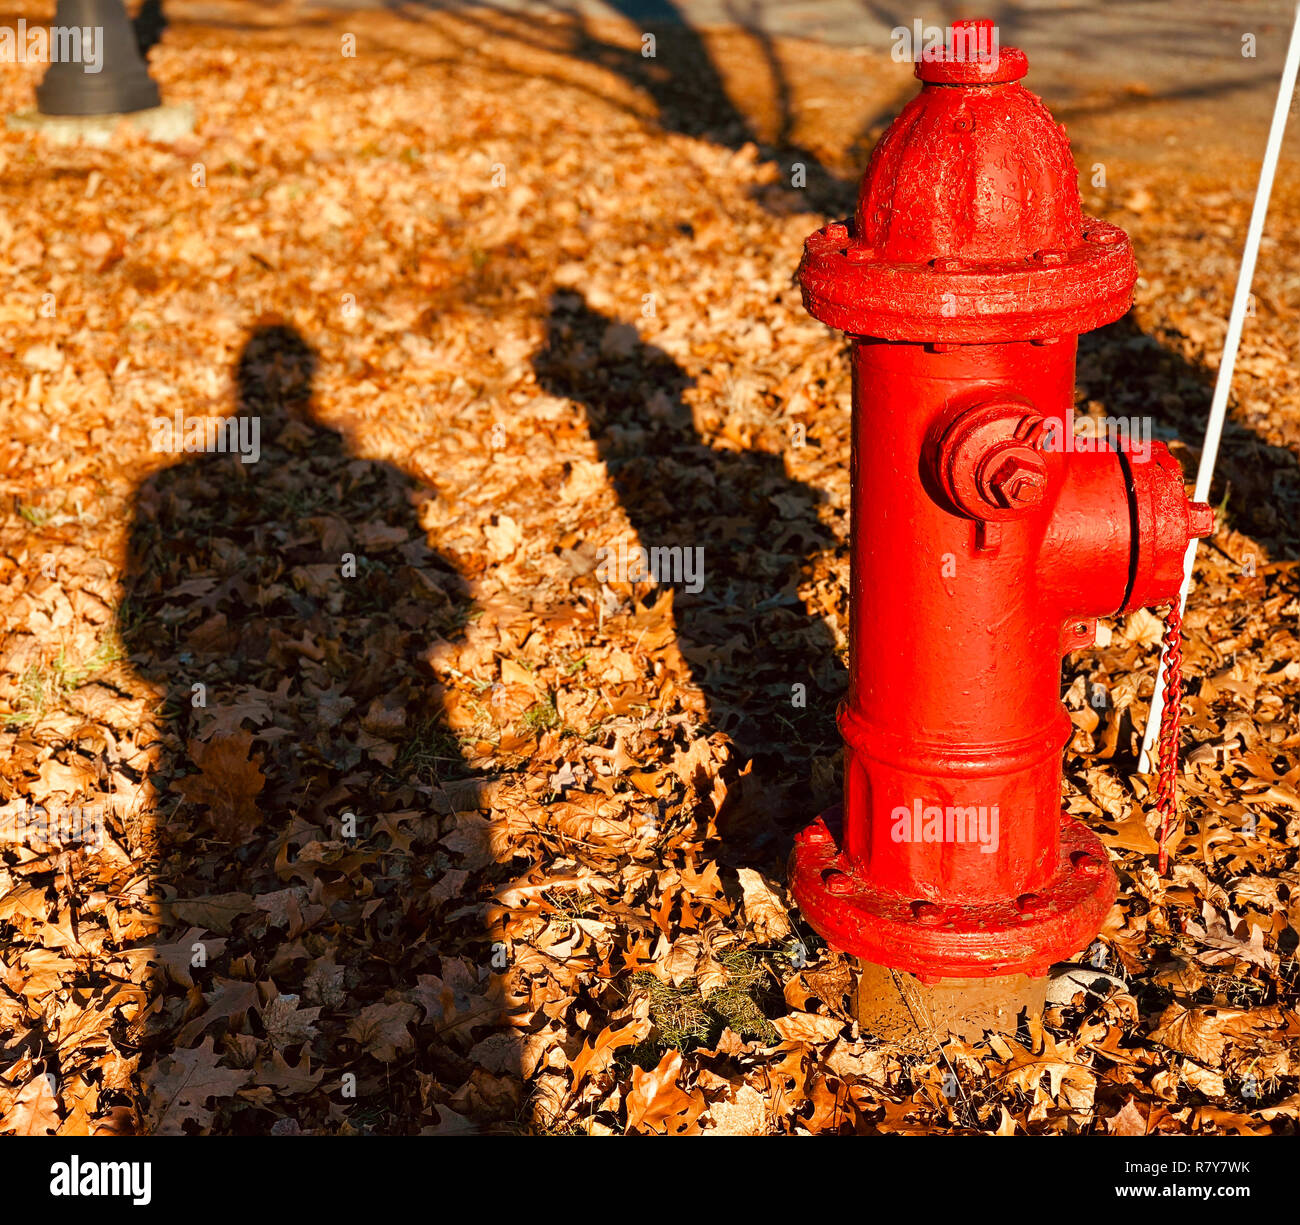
[940, 938]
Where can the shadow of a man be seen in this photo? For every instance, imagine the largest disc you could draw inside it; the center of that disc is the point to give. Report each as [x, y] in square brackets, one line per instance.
[281, 594]
[768, 672]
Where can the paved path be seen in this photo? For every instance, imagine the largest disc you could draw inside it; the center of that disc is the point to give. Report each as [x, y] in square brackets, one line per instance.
[1190, 49]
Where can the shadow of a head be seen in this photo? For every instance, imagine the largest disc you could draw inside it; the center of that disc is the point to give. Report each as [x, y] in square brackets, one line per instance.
[275, 373]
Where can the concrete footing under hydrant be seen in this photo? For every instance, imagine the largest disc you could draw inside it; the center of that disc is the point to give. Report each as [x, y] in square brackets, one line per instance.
[900, 1008]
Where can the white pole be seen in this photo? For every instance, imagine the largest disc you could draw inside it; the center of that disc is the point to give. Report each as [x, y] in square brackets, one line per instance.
[1223, 384]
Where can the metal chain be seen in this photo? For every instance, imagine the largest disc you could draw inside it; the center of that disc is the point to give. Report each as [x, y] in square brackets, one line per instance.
[1170, 726]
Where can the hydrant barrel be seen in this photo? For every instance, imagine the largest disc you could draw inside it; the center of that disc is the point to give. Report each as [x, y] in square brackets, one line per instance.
[957, 699]
[984, 543]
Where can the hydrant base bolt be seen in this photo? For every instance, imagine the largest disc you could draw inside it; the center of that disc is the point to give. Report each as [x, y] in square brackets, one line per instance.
[837, 883]
[1087, 864]
[928, 913]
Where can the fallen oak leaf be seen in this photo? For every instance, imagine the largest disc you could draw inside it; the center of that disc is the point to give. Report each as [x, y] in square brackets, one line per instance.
[656, 1103]
[1288, 1107]
[227, 782]
[230, 1001]
[381, 1029]
[24, 899]
[1131, 834]
[807, 1027]
[287, 1078]
[598, 1054]
[183, 1084]
[288, 1024]
[34, 1110]
[764, 910]
[178, 958]
[1202, 1033]
[454, 1006]
[1230, 939]
[1024, 1068]
[217, 911]
[1130, 1121]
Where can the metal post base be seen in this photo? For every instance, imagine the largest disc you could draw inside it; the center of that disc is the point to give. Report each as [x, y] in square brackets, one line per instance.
[122, 83]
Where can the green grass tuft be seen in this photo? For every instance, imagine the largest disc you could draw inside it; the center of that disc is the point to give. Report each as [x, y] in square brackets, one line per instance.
[685, 1018]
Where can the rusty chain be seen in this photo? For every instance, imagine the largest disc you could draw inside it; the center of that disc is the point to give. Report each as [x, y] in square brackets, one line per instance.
[1170, 727]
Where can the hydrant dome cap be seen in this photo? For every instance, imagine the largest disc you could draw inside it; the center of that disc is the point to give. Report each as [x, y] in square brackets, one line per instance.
[980, 173]
[969, 227]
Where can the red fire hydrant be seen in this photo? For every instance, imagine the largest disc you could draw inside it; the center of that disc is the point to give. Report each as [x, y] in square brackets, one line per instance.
[984, 542]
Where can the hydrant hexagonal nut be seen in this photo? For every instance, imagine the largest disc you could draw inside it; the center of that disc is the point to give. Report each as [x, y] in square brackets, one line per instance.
[1019, 480]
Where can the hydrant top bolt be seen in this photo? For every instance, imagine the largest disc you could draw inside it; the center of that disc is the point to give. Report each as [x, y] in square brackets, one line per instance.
[973, 59]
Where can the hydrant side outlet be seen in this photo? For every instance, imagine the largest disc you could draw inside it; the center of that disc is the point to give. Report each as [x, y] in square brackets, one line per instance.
[984, 544]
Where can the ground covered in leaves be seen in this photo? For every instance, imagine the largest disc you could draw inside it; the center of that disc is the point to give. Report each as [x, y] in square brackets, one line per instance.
[414, 818]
